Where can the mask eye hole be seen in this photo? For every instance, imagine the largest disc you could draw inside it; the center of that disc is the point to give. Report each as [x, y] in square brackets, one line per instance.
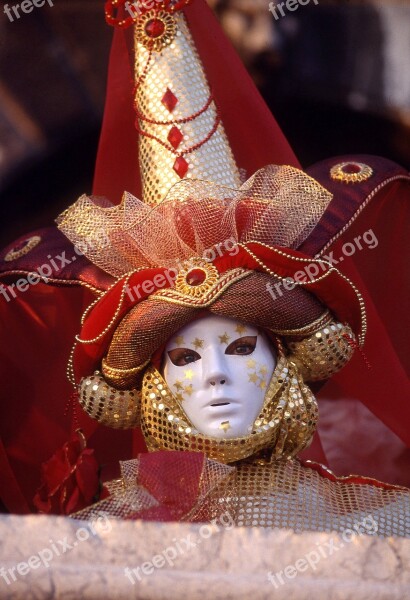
[181, 357]
[242, 346]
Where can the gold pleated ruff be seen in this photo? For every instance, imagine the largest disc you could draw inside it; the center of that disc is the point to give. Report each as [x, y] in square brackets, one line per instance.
[284, 427]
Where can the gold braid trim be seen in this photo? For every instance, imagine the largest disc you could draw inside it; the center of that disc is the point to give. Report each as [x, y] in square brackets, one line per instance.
[307, 330]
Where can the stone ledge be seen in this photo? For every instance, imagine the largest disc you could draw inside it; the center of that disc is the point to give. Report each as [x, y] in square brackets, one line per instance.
[194, 562]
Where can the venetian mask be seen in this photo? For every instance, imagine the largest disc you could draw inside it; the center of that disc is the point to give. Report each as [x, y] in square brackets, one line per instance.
[219, 370]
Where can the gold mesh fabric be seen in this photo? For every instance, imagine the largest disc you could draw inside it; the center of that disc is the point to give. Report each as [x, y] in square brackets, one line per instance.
[281, 494]
[179, 69]
[284, 427]
[277, 206]
[130, 500]
[286, 494]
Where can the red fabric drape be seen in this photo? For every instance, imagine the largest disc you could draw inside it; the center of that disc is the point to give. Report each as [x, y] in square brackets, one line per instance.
[382, 276]
[37, 330]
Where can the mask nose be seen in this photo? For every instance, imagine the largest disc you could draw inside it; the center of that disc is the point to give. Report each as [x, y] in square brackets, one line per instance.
[215, 368]
[220, 381]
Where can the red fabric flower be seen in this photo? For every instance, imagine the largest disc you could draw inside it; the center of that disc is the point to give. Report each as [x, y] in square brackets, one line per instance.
[69, 479]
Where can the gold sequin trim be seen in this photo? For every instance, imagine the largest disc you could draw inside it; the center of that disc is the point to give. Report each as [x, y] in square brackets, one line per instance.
[324, 353]
[108, 406]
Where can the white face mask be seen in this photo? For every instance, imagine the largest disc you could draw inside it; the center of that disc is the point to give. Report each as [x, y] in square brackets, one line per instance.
[219, 370]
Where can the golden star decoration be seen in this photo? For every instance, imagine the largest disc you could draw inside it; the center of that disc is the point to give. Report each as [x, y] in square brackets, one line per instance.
[179, 397]
[189, 374]
[241, 329]
[251, 364]
[262, 384]
[198, 343]
[179, 340]
[263, 370]
[179, 386]
[253, 378]
[225, 426]
[224, 339]
[188, 389]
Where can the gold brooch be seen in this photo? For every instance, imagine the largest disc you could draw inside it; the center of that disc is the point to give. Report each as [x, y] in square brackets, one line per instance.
[196, 279]
[156, 30]
[23, 248]
[351, 172]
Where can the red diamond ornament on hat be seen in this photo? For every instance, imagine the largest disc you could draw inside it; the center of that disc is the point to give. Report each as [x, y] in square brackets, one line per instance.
[181, 167]
[175, 137]
[169, 100]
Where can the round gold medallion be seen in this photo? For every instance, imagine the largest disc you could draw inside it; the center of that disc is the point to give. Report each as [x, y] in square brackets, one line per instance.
[197, 279]
[156, 29]
[23, 248]
[351, 172]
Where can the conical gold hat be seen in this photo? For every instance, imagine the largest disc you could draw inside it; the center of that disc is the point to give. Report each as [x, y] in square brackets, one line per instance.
[181, 131]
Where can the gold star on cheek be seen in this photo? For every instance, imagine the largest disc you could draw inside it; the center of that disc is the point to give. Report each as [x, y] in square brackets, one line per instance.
[263, 370]
[225, 426]
[262, 385]
[179, 397]
[179, 341]
[198, 343]
[240, 329]
[179, 386]
[253, 377]
[188, 389]
[224, 339]
[251, 364]
[189, 374]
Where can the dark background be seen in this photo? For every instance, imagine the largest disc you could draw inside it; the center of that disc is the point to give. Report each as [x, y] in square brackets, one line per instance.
[336, 76]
